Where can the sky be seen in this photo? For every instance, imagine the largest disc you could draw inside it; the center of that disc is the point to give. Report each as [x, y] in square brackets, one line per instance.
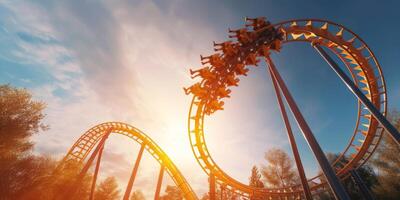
[98, 61]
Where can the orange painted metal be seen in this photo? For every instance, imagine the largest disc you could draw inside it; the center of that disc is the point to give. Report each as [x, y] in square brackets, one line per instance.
[349, 47]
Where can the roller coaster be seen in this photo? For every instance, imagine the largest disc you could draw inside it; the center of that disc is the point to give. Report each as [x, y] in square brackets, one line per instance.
[234, 58]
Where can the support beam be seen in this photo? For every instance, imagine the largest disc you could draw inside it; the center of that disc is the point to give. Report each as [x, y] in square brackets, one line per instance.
[159, 183]
[96, 172]
[212, 187]
[299, 165]
[222, 191]
[333, 180]
[394, 133]
[365, 192]
[134, 172]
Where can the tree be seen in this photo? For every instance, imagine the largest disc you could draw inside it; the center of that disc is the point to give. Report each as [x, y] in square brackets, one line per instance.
[107, 190]
[60, 182]
[365, 171]
[24, 177]
[279, 172]
[221, 193]
[20, 118]
[255, 178]
[137, 195]
[255, 181]
[172, 193]
[387, 163]
[322, 194]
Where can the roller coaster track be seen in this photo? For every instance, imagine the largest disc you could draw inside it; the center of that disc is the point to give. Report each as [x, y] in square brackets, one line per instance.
[350, 49]
[365, 72]
[85, 144]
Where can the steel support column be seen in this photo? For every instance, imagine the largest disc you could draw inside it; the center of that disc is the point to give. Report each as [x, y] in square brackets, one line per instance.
[358, 93]
[222, 191]
[299, 165]
[365, 192]
[333, 180]
[159, 183]
[134, 172]
[212, 187]
[96, 172]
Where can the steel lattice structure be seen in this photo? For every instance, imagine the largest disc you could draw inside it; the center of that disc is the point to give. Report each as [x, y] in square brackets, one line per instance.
[88, 141]
[221, 70]
[351, 50]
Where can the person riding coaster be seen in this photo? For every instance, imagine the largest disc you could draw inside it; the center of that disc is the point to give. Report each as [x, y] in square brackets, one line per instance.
[214, 60]
[204, 73]
[228, 48]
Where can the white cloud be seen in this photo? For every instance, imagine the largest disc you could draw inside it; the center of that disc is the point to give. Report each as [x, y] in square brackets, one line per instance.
[128, 62]
[118, 69]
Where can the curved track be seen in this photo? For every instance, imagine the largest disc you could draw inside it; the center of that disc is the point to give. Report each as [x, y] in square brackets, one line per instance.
[83, 146]
[361, 64]
[231, 60]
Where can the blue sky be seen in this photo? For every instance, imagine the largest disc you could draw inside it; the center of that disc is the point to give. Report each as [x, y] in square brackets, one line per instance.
[96, 61]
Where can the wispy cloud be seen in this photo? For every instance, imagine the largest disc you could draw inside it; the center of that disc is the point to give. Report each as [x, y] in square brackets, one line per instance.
[127, 61]
[112, 62]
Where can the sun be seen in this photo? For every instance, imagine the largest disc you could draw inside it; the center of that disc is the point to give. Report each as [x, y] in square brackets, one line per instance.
[176, 142]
